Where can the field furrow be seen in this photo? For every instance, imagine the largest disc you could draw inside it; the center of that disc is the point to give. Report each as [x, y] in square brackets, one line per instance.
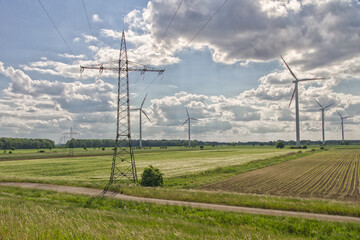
[290, 181]
[331, 181]
[336, 190]
[316, 177]
[331, 174]
[327, 179]
[311, 175]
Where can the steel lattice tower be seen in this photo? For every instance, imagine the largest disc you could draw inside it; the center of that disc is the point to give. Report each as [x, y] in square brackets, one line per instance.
[123, 164]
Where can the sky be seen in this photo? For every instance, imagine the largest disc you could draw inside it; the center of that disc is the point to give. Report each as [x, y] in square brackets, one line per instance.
[221, 60]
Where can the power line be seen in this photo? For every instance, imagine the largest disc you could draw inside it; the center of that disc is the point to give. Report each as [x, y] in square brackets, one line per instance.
[192, 39]
[207, 22]
[172, 19]
[87, 18]
[56, 28]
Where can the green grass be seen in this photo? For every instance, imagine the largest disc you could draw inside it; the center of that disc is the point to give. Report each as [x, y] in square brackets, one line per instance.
[37, 214]
[311, 205]
[94, 171]
[47, 153]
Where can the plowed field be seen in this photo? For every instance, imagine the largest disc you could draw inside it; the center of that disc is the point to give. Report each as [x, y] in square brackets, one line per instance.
[332, 174]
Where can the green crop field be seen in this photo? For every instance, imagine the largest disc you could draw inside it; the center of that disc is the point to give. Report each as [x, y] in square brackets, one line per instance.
[95, 170]
[333, 174]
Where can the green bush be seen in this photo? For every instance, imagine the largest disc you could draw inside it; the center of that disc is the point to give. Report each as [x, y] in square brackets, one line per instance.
[304, 147]
[280, 145]
[151, 177]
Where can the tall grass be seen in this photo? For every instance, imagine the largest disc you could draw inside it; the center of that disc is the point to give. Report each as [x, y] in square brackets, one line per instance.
[36, 214]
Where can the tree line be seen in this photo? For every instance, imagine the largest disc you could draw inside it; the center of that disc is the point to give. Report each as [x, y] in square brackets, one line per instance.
[94, 143]
[25, 143]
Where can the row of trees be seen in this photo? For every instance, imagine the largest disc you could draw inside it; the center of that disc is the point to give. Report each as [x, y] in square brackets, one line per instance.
[25, 143]
[291, 142]
[93, 143]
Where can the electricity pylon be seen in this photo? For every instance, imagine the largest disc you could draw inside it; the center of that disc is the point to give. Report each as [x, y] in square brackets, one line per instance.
[123, 164]
[70, 135]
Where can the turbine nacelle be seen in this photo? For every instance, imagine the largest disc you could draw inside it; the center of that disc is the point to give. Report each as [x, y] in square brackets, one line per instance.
[189, 118]
[321, 107]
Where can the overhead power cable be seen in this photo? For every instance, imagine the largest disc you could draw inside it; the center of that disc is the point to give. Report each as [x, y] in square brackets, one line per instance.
[87, 18]
[207, 22]
[172, 19]
[56, 28]
[197, 33]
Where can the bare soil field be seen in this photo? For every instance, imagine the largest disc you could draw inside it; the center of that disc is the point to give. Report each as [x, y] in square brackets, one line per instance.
[330, 174]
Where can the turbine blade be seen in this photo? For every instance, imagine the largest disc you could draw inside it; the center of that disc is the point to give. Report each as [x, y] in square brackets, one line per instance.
[292, 96]
[187, 112]
[195, 119]
[185, 122]
[146, 115]
[289, 68]
[135, 109]
[310, 79]
[329, 105]
[348, 117]
[339, 114]
[318, 103]
[143, 101]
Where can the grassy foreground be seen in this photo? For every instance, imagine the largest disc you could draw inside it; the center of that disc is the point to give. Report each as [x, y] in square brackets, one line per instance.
[37, 214]
[93, 172]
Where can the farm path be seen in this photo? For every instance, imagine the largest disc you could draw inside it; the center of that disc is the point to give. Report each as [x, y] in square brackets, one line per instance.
[97, 192]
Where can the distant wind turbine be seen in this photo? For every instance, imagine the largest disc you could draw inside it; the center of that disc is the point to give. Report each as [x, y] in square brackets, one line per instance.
[188, 121]
[140, 112]
[342, 126]
[323, 119]
[296, 93]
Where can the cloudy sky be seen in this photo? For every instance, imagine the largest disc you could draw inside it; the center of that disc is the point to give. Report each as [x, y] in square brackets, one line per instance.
[221, 60]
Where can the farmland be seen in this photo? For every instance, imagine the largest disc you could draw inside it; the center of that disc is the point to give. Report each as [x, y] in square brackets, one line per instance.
[94, 170]
[189, 175]
[330, 174]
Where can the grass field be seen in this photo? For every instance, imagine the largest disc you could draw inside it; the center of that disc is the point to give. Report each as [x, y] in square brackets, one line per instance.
[36, 214]
[329, 174]
[29, 214]
[95, 170]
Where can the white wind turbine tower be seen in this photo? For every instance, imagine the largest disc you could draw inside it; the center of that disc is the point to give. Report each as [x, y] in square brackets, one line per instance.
[323, 119]
[296, 93]
[188, 121]
[342, 126]
[140, 112]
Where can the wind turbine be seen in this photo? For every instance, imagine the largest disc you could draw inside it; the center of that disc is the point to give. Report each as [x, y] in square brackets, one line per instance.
[296, 93]
[188, 121]
[323, 119]
[342, 126]
[140, 112]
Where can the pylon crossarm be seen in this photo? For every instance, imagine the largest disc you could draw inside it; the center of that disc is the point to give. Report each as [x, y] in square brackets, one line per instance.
[114, 66]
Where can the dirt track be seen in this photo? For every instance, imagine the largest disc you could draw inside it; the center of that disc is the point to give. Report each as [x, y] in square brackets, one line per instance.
[96, 192]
